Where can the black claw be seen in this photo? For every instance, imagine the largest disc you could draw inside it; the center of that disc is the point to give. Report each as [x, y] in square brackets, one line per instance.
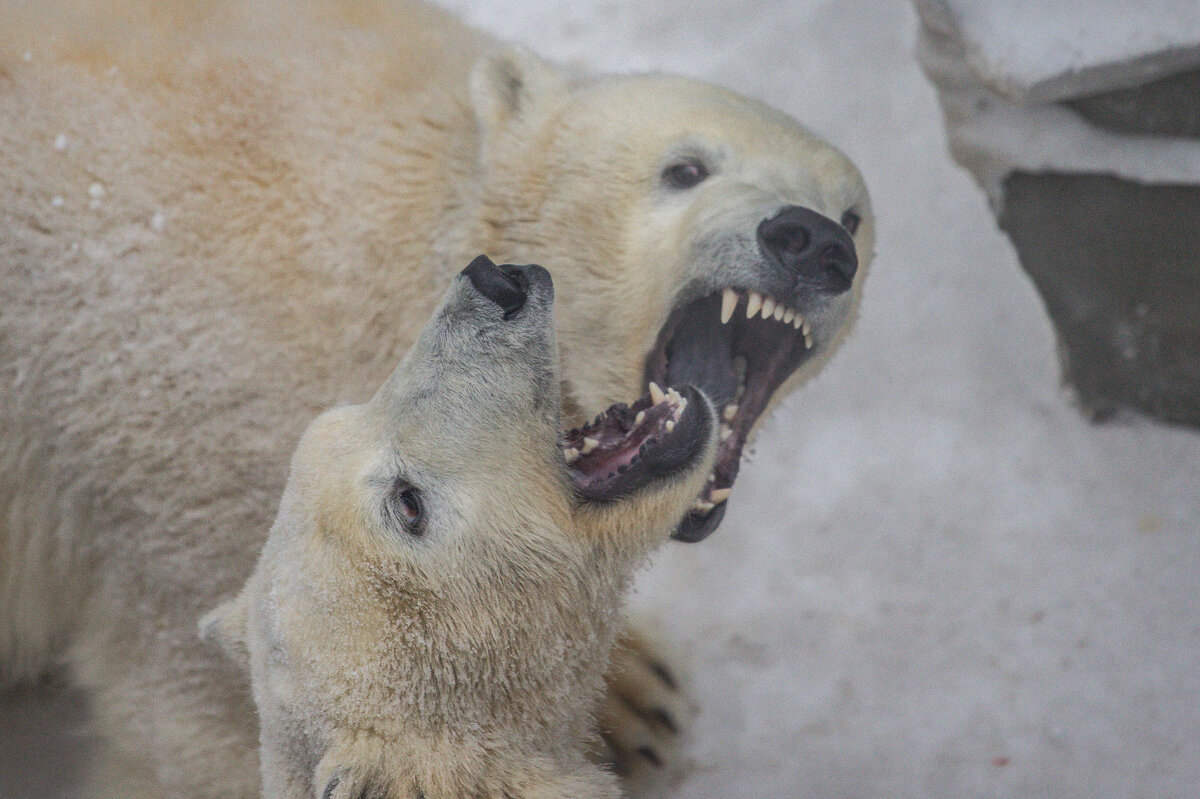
[664, 718]
[665, 675]
[651, 756]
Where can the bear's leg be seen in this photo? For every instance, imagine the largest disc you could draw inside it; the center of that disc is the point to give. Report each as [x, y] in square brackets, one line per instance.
[642, 716]
[187, 751]
[176, 718]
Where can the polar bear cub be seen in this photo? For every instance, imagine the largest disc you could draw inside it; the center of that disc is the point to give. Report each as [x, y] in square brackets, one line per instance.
[434, 607]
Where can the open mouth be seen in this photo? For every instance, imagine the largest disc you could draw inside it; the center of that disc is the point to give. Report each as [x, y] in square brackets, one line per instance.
[627, 446]
[738, 347]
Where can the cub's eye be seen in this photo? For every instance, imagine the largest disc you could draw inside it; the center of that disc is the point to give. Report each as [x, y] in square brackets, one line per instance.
[850, 221]
[406, 507]
[685, 174]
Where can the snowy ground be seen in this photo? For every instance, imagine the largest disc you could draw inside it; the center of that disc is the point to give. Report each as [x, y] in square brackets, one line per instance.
[935, 579]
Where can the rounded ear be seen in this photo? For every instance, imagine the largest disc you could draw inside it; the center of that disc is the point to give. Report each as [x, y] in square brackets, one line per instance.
[512, 84]
[225, 626]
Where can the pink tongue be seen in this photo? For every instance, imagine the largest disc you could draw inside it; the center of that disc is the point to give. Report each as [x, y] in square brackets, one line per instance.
[602, 462]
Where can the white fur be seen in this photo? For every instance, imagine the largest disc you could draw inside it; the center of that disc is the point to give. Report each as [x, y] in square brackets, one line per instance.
[463, 657]
[253, 209]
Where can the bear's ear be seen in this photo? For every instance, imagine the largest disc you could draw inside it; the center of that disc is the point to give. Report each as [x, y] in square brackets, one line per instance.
[225, 626]
[512, 84]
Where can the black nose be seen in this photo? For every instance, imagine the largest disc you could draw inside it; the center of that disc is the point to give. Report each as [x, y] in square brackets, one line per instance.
[814, 248]
[506, 285]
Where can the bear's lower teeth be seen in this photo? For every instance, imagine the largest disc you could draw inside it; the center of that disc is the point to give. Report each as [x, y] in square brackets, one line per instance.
[614, 434]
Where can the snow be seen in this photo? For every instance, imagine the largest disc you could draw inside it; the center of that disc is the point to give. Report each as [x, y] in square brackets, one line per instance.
[935, 578]
[1038, 52]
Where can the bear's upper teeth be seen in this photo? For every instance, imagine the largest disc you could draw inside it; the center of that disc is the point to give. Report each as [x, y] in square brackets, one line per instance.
[656, 393]
[753, 304]
[729, 301]
[756, 304]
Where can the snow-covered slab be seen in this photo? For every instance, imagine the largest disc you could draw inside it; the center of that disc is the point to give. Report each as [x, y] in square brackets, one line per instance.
[999, 66]
[1038, 51]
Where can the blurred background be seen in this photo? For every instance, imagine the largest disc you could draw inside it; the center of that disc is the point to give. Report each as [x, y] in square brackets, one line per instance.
[937, 577]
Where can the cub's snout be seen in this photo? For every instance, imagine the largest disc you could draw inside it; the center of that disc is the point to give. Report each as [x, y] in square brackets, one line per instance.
[506, 285]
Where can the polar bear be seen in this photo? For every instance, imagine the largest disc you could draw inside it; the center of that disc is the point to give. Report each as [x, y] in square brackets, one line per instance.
[219, 217]
[436, 600]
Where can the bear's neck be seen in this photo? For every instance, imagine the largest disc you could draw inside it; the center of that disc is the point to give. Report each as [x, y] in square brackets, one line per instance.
[520, 656]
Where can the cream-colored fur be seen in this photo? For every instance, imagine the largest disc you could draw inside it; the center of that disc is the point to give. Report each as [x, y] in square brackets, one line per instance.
[462, 656]
[218, 217]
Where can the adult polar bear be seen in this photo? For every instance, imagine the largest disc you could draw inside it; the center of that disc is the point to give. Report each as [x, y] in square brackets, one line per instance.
[219, 218]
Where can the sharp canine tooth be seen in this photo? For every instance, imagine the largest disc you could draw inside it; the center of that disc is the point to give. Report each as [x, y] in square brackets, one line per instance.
[779, 312]
[656, 393]
[753, 304]
[641, 417]
[807, 342]
[571, 454]
[670, 425]
[729, 412]
[589, 444]
[719, 495]
[729, 301]
[805, 328]
[788, 316]
[768, 307]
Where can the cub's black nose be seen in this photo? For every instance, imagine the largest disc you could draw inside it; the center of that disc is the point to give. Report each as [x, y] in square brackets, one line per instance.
[506, 285]
[815, 249]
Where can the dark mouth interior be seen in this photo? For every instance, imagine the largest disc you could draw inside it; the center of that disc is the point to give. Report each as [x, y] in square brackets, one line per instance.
[626, 446]
[739, 364]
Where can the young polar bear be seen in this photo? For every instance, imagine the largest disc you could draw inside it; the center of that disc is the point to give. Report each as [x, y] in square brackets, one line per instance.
[433, 609]
[219, 216]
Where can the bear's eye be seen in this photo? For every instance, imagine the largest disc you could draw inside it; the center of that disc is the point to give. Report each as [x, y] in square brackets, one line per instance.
[685, 174]
[406, 507]
[850, 221]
